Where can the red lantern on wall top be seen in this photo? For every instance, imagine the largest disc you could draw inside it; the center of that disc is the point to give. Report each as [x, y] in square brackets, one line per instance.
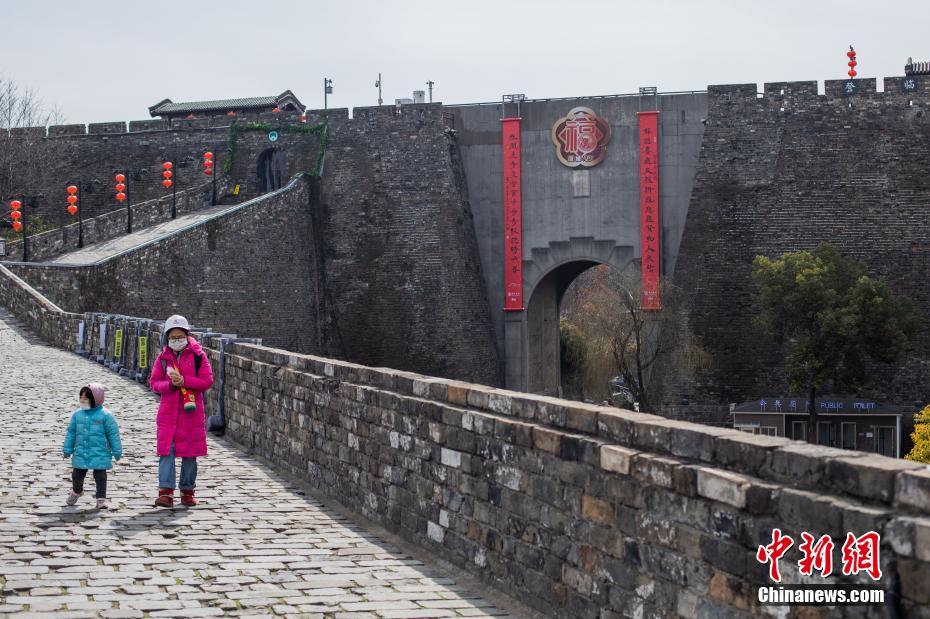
[851, 54]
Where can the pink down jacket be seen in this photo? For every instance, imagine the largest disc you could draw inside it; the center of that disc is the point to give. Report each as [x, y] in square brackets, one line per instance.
[187, 430]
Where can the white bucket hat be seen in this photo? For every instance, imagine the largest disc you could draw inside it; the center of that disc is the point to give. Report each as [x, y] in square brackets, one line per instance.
[176, 322]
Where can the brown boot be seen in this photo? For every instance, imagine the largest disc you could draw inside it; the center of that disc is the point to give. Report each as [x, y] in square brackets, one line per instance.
[187, 497]
[165, 497]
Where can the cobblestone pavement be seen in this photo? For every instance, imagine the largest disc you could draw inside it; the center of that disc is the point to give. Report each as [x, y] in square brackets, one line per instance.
[98, 251]
[256, 546]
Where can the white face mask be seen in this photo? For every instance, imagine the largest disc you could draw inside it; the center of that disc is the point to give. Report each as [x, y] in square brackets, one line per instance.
[85, 406]
[177, 345]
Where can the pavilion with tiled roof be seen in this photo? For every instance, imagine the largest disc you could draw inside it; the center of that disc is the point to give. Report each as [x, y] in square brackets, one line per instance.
[285, 102]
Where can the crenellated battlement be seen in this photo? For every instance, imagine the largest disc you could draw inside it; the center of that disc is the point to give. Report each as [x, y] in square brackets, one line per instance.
[834, 91]
[366, 114]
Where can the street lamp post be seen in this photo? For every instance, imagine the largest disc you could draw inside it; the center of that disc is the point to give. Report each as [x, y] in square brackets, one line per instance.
[429, 84]
[378, 86]
[327, 90]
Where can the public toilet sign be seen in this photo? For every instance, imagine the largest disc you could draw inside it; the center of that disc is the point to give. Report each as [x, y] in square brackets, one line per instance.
[826, 405]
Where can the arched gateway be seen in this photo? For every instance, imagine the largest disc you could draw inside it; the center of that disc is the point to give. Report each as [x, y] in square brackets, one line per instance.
[557, 186]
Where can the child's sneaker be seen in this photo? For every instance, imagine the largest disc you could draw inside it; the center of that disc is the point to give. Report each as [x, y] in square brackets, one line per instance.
[103, 503]
[73, 497]
[187, 498]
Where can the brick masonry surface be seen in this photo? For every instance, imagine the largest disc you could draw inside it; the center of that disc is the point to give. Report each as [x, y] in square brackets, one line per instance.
[784, 172]
[249, 271]
[64, 154]
[377, 263]
[401, 264]
[256, 545]
[579, 510]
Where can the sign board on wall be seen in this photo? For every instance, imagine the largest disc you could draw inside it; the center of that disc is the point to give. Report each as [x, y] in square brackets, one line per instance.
[581, 138]
[143, 351]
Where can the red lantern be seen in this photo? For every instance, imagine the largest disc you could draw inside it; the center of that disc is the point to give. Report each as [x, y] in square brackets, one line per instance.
[277, 110]
[167, 165]
[72, 189]
[17, 226]
[72, 199]
[208, 155]
[166, 183]
[208, 163]
[15, 215]
[120, 178]
[72, 209]
[851, 73]
[120, 187]
[208, 172]
[167, 174]
[230, 113]
[851, 63]
[191, 115]
[303, 118]
[15, 205]
[120, 196]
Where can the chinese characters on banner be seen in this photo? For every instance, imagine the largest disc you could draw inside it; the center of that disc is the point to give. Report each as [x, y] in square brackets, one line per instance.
[513, 217]
[649, 206]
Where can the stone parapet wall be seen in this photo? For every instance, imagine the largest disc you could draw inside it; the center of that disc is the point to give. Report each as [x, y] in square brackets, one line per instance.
[583, 511]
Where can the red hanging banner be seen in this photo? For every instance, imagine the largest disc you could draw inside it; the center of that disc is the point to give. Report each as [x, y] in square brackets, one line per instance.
[513, 217]
[650, 221]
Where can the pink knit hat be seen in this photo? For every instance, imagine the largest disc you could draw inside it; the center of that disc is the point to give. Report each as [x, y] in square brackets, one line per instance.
[97, 390]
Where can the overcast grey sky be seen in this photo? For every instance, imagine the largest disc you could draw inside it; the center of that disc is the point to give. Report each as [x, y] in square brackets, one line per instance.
[101, 60]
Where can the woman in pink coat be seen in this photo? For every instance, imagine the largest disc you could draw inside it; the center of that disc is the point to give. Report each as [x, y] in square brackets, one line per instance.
[180, 374]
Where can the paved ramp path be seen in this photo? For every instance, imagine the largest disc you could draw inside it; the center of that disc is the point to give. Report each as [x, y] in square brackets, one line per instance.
[99, 251]
[256, 546]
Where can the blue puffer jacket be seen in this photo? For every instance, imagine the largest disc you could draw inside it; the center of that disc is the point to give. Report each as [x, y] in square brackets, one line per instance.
[93, 437]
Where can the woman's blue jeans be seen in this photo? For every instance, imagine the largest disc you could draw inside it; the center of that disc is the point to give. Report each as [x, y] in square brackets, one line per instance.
[166, 477]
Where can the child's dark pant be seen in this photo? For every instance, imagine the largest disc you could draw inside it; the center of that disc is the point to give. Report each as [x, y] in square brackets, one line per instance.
[100, 479]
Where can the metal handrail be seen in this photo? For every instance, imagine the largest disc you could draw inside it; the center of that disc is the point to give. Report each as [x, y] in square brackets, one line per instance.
[631, 94]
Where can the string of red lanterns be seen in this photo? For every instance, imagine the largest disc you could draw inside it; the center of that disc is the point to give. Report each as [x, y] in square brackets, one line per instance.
[851, 54]
[167, 174]
[16, 215]
[208, 163]
[120, 187]
[72, 199]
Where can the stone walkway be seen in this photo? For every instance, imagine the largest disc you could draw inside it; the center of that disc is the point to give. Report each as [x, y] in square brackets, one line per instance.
[256, 546]
[98, 251]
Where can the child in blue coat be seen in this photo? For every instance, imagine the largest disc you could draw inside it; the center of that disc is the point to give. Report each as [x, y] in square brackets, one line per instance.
[93, 438]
